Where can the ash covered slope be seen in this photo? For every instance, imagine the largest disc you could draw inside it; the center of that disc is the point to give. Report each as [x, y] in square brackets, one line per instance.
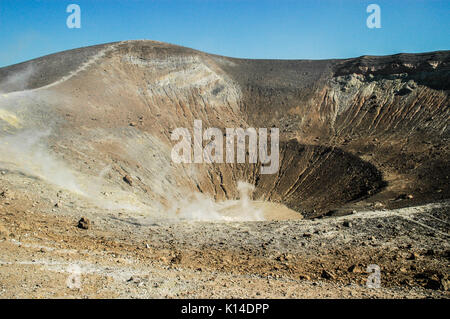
[354, 132]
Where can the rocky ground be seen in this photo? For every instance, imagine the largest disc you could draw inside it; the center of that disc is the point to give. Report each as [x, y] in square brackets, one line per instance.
[46, 252]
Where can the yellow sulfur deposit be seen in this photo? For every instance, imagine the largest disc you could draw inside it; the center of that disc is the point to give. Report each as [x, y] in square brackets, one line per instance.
[9, 118]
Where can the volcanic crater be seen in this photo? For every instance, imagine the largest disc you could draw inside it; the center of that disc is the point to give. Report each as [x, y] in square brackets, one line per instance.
[87, 177]
[352, 132]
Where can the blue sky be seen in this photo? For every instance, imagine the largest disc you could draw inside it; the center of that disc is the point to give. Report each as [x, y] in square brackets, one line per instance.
[278, 29]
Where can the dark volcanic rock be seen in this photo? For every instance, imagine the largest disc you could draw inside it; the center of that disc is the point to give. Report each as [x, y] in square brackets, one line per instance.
[84, 223]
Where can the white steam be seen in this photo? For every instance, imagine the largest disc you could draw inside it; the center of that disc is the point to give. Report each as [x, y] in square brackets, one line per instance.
[17, 81]
[27, 152]
[200, 207]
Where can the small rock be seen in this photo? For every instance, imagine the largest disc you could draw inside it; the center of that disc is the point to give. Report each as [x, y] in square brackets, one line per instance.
[404, 196]
[404, 91]
[331, 213]
[355, 269]
[413, 256]
[304, 277]
[433, 283]
[127, 179]
[347, 224]
[445, 284]
[338, 213]
[177, 259]
[327, 275]
[288, 257]
[84, 223]
[156, 285]
[429, 252]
